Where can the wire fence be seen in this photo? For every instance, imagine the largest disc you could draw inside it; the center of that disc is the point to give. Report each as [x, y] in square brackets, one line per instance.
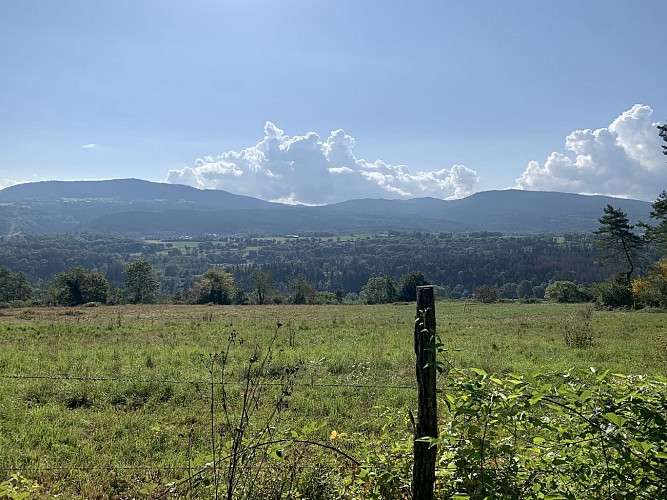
[198, 382]
[151, 470]
[195, 382]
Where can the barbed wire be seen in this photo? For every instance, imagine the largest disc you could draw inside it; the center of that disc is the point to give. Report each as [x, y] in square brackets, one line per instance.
[199, 468]
[78, 378]
[95, 467]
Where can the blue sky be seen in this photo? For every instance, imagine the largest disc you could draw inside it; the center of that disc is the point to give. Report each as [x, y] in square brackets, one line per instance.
[316, 102]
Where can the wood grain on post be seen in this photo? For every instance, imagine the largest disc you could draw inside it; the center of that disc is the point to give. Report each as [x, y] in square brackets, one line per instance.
[423, 471]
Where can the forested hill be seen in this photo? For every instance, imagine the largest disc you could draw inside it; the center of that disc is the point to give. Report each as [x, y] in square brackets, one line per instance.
[141, 208]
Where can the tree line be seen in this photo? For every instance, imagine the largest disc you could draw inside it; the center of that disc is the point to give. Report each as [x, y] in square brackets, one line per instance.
[369, 268]
[300, 269]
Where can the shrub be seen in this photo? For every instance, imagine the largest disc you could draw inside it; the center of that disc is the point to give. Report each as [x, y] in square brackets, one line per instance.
[614, 292]
[652, 290]
[577, 328]
[486, 294]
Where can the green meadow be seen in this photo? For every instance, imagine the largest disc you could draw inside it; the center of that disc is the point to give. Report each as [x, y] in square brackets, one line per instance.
[119, 402]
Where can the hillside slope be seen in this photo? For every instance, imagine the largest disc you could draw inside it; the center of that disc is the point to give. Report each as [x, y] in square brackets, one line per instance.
[141, 208]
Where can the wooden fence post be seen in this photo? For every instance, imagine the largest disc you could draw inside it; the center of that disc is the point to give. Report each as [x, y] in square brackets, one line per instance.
[423, 470]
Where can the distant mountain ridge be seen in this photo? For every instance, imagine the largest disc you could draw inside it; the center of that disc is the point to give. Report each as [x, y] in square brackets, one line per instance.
[125, 191]
[141, 208]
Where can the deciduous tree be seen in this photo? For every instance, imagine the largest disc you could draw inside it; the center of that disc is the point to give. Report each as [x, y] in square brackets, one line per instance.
[14, 286]
[215, 286]
[614, 292]
[141, 284]
[567, 292]
[77, 286]
[524, 289]
[651, 290]
[486, 294]
[378, 290]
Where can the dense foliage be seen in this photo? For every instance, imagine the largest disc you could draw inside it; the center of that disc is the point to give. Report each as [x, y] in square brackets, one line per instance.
[266, 268]
[14, 286]
[78, 286]
[567, 292]
[570, 437]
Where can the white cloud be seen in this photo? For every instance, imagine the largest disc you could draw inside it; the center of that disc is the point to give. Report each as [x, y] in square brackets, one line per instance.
[89, 146]
[307, 169]
[623, 159]
[7, 182]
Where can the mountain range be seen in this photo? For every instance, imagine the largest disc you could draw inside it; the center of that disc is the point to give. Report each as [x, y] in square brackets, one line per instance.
[141, 208]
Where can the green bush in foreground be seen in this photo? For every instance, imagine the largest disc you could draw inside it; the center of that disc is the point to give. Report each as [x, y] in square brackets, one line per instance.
[536, 437]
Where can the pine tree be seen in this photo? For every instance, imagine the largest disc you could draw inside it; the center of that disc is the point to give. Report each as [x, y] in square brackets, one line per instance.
[657, 234]
[617, 239]
[663, 133]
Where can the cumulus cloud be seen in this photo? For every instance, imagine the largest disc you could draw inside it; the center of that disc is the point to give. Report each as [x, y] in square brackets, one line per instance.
[623, 159]
[89, 146]
[310, 170]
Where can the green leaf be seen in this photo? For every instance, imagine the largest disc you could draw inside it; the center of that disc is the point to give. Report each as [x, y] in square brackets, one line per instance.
[148, 489]
[615, 419]
[602, 376]
[479, 372]
[276, 453]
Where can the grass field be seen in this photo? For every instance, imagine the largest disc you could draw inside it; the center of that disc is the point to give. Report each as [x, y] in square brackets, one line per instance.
[127, 389]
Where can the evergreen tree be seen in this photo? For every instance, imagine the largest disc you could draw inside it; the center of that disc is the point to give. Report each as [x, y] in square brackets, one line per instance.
[657, 234]
[302, 291]
[617, 239]
[407, 286]
[263, 284]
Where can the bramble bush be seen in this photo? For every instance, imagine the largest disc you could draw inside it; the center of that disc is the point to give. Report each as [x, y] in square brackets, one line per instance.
[599, 436]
